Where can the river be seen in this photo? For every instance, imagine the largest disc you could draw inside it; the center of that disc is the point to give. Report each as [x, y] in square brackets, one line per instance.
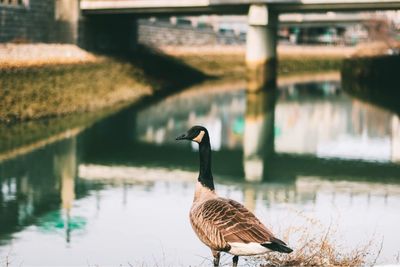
[308, 158]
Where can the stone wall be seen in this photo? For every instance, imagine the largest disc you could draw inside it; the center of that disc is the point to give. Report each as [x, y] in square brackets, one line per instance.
[163, 33]
[58, 21]
[47, 21]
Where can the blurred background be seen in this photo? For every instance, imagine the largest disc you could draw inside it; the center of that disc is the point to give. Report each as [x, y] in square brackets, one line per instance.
[301, 99]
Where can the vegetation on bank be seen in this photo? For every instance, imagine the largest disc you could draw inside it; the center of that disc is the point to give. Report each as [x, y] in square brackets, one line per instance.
[34, 93]
[233, 65]
[230, 61]
[53, 90]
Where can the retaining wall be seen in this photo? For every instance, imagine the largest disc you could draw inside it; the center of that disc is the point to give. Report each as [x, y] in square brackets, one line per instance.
[160, 33]
[46, 21]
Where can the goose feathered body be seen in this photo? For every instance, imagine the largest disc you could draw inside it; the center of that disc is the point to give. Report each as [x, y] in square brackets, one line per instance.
[224, 224]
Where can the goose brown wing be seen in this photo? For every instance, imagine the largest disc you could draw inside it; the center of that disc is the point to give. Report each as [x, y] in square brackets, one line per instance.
[234, 222]
[203, 224]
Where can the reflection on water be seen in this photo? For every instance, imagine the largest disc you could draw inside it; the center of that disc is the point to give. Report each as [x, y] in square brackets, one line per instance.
[258, 137]
[337, 127]
[34, 184]
[120, 192]
[310, 118]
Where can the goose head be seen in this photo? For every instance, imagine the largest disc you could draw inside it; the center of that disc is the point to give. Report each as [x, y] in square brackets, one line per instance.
[198, 134]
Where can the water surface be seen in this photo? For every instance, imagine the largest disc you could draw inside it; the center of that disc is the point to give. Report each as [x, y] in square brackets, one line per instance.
[308, 156]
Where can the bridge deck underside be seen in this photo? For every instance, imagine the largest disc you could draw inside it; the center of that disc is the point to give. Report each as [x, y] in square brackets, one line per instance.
[228, 6]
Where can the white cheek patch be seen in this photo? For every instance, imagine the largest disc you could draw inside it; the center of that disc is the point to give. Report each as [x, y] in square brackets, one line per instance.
[199, 137]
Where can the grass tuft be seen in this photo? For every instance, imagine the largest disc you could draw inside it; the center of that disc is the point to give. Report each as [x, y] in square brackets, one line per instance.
[320, 248]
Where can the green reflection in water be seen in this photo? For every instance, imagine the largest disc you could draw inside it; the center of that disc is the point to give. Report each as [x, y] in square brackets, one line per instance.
[54, 221]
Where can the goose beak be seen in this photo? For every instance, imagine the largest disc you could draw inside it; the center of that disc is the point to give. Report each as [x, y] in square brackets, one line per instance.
[182, 137]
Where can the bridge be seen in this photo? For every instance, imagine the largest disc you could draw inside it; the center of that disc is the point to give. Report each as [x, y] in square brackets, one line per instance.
[318, 19]
[115, 22]
[154, 7]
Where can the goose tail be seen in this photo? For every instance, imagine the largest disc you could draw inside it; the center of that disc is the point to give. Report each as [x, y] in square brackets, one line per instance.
[277, 245]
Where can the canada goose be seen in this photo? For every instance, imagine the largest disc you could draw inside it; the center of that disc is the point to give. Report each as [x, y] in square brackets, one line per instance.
[224, 224]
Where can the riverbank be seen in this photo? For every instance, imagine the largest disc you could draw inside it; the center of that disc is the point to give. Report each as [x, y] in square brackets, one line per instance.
[229, 61]
[52, 91]
[51, 80]
[42, 81]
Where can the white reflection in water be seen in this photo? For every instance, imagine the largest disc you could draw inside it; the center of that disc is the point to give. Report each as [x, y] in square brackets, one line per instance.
[341, 129]
[311, 118]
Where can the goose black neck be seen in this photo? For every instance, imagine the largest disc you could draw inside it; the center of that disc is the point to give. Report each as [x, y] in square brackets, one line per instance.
[205, 175]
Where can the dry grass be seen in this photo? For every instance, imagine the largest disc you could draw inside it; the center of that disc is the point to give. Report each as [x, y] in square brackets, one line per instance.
[29, 93]
[34, 93]
[313, 247]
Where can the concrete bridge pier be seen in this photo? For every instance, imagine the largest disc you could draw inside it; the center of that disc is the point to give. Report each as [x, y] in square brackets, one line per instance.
[65, 163]
[261, 48]
[109, 33]
[66, 17]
